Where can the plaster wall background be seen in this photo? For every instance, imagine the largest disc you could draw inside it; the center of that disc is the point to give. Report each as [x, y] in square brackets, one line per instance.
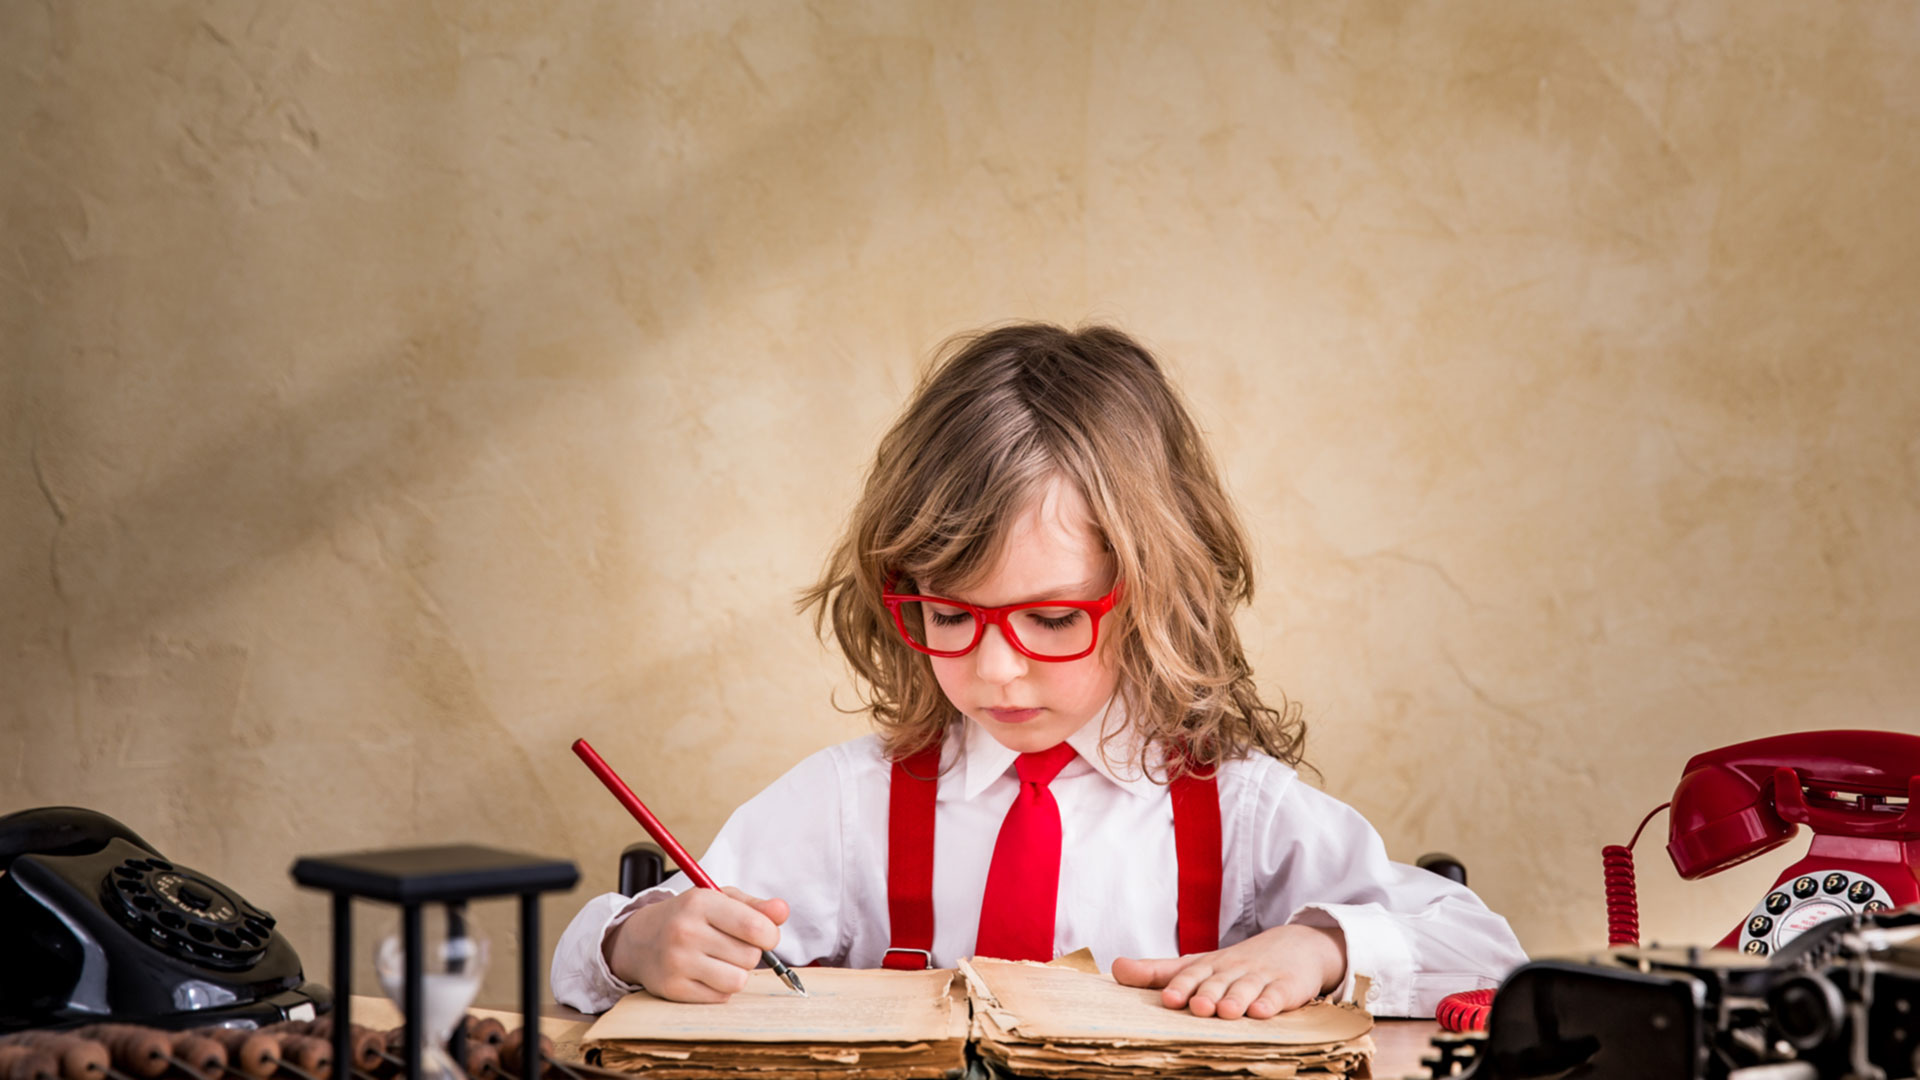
[395, 392]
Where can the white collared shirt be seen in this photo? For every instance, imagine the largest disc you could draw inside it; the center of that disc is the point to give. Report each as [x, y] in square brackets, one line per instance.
[817, 838]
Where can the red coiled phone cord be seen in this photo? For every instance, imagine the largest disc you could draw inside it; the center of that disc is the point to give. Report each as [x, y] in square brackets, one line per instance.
[1623, 904]
[1467, 1010]
[1464, 1011]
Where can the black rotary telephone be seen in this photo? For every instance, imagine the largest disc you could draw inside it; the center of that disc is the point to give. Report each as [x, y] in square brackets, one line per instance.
[95, 925]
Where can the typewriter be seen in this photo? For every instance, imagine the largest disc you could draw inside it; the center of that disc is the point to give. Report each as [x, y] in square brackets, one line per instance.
[1842, 1000]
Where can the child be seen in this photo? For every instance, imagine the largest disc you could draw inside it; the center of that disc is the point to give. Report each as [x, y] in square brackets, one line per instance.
[1036, 593]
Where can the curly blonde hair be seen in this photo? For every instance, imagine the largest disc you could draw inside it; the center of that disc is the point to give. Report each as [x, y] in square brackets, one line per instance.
[997, 417]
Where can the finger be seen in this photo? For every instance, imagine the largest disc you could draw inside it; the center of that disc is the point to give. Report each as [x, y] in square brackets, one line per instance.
[719, 976]
[681, 987]
[726, 948]
[737, 918]
[1243, 992]
[774, 908]
[1147, 973]
[1180, 988]
[1205, 999]
[1278, 997]
[694, 934]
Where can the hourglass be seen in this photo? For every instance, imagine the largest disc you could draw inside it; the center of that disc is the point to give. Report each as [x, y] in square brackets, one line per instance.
[434, 977]
[451, 965]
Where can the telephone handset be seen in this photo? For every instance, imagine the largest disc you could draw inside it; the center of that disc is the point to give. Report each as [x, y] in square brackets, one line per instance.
[1858, 791]
[99, 926]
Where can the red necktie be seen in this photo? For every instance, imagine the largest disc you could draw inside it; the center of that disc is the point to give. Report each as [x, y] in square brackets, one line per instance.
[1023, 882]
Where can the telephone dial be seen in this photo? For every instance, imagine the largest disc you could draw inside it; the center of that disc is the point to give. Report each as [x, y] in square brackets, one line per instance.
[1859, 793]
[97, 925]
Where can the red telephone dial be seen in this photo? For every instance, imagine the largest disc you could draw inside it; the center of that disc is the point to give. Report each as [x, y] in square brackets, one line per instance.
[1859, 791]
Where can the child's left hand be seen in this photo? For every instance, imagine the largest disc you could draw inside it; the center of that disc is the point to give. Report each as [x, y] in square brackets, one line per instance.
[1267, 974]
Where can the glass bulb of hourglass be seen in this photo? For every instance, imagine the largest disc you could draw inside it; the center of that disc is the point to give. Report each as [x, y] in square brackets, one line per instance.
[451, 968]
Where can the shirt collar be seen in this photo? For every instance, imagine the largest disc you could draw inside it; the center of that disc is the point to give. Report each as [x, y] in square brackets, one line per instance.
[983, 759]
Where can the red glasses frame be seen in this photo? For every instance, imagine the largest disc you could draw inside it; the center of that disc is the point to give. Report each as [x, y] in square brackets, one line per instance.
[984, 617]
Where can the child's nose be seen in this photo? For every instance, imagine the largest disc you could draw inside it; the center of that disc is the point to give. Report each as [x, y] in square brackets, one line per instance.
[995, 661]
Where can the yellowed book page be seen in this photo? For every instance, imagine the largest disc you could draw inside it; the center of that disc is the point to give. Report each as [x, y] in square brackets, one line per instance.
[842, 1006]
[1078, 960]
[1036, 1001]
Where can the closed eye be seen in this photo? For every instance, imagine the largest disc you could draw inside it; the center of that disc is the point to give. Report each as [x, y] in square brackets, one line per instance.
[948, 616]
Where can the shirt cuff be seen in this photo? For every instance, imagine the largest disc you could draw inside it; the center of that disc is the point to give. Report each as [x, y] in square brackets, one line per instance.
[581, 977]
[1377, 948]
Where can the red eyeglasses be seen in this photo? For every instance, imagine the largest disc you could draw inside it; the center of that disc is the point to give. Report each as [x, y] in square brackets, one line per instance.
[1054, 631]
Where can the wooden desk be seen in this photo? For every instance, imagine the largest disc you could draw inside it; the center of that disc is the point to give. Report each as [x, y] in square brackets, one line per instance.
[1398, 1045]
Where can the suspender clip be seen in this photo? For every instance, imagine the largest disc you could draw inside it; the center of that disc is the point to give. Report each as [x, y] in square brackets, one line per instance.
[907, 960]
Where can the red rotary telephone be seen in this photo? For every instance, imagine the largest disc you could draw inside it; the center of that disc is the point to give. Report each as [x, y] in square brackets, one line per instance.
[1859, 791]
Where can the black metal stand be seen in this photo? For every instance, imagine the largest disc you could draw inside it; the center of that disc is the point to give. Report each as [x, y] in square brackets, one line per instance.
[452, 875]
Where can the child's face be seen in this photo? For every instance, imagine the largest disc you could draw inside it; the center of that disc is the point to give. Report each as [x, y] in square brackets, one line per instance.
[1052, 553]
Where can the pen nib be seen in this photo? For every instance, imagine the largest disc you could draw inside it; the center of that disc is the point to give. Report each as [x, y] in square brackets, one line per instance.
[786, 974]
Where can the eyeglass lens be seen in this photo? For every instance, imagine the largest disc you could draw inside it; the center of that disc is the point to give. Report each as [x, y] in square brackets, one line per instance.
[1044, 631]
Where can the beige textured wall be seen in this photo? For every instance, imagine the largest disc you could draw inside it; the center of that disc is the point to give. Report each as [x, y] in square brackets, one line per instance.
[394, 392]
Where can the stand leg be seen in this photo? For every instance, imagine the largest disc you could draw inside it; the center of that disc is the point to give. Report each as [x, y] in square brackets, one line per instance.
[530, 985]
[342, 979]
[457, 928]
[414, 999]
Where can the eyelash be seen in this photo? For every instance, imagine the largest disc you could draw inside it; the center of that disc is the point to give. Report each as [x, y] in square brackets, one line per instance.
[1060, 623]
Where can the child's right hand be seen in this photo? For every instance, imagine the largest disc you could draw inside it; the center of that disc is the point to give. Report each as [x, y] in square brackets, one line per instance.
[697, 946]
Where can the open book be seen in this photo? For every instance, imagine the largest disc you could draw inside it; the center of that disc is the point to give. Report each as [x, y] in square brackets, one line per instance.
[1025, 1019]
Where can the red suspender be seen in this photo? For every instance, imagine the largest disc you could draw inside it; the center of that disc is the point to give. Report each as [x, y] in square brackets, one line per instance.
[910, 860]
[1196, 845]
